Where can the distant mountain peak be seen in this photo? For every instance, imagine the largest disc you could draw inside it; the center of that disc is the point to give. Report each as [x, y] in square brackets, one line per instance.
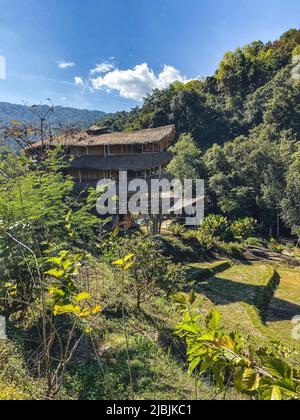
[61, 116]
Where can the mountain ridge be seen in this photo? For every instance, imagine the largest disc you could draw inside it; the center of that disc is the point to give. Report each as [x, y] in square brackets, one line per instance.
[61, 116]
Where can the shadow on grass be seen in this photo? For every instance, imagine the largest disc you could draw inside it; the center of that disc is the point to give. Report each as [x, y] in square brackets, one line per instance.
[225, 292]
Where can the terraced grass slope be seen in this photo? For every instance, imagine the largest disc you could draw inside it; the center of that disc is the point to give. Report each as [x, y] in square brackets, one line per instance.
[200, 272]
[296, 253]
[244, 296]
[242, 293]
[285, 306]
[238, 293]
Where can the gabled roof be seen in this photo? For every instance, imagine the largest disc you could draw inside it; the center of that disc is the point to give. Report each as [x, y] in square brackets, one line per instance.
[86, 139]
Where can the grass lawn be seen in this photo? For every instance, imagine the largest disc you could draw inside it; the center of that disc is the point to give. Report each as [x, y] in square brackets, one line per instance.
[236, 293]
[285, 306]
[156, 374]
[296, 253]
[199, 272]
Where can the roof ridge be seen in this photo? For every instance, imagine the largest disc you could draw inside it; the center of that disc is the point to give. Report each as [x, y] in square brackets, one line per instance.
[116, 138]
[137, 131]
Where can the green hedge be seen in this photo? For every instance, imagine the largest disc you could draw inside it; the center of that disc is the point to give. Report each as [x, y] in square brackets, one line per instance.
[267, 294]
[201, 272]
[177, 250]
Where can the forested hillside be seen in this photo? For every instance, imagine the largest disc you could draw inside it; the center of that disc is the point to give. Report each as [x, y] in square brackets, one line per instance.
[61, 116]
[253, 85]
[243, 127]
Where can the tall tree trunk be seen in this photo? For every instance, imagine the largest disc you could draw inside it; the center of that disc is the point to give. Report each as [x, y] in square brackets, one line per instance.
[271, 231]
[278, 223]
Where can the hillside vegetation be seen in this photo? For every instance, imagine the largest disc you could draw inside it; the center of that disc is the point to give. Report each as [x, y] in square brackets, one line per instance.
[239, 131]
[252, 86]
[203, 313]
[61, 116]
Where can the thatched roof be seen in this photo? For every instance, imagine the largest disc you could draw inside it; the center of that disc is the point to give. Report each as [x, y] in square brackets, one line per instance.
[151, 135]
[134, 162]
[94, 137]
[95, 130]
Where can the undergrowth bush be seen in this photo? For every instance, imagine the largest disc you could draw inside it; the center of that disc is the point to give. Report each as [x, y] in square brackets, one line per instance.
[274, 246]
[15, 380]
[256, 242]
[178, 250]
[229, 361]
[216, 226]
[230, 249]
[243, 228]
[151, 273]
[177, 229]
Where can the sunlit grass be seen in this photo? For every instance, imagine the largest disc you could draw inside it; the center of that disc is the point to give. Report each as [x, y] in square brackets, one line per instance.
[296, 253]
[236, 293]
[285, 306]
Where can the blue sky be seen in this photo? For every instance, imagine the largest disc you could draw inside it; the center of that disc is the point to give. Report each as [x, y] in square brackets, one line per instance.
[106, 54]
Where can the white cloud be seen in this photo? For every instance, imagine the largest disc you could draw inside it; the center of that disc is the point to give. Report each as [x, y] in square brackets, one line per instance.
[78, 81]
[103, 68]
[136, 83]
[65, 64]
[168, 76]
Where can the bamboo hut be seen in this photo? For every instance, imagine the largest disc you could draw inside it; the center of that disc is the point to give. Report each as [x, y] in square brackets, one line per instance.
[97, 154]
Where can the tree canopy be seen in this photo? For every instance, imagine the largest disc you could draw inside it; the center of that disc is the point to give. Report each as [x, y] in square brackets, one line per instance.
[238, 129]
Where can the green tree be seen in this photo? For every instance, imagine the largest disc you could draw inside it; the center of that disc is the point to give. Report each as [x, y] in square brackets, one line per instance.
[151, 273]
[187, 162]
[35, 200]
[291, 202]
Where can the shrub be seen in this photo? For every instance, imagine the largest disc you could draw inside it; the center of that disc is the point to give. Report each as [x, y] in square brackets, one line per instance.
[228, 360]
[190, 235]
[206, 242]
[274, 246]
[231, 249]
[243, 228]
[296, 51]
[203, 243]
[151, 273]
[177, 250]
[216, 226]
[177, 229]
[254, 242]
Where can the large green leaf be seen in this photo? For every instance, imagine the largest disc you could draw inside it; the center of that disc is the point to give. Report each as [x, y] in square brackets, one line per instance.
[180, 298]
[277, 367]
[55, 273]
[251, 380]
[191, 327]
[271, 393]
[213, 319]
[288, 386]
[219, 371]
[193, 365]
[207, 364]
